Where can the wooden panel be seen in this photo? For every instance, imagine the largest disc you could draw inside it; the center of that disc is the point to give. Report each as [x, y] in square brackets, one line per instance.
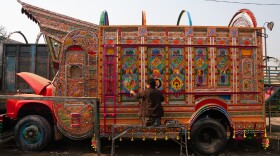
[10, 73]
[24, 65]
[42, 61]
[24, 58]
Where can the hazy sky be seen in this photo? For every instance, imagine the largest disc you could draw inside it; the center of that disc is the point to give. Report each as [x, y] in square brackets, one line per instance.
[158, 12]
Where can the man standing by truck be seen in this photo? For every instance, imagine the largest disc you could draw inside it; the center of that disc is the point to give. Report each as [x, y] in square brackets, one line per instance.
[151, 109]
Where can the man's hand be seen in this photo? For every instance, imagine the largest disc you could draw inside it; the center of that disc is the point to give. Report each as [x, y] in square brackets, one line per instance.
[132, 92]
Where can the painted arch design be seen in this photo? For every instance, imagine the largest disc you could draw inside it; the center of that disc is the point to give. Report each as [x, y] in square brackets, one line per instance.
[210, 104]
[180, 16]
[243, 18]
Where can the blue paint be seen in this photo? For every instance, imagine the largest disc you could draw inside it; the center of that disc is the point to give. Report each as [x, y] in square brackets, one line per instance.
[225, 97]
[32, 59]
[10, 73]
[30, 141]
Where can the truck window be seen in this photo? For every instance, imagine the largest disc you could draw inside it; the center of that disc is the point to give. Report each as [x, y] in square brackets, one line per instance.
[75, 72]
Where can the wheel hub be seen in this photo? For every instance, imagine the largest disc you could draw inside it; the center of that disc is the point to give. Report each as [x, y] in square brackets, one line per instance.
[31, 133]
[206, 137]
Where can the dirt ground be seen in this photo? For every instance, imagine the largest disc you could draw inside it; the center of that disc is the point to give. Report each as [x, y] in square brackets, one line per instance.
[148, 147]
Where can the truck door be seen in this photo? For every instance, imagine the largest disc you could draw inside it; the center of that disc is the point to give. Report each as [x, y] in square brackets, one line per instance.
[75, 69]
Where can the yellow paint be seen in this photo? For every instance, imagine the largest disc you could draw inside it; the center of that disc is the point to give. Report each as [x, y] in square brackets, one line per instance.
[246, 52]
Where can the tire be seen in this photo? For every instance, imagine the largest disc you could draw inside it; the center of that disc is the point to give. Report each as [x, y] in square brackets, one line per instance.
[208, 137]
[32, 133]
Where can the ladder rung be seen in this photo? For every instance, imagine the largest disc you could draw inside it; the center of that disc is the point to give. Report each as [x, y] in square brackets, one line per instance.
[110, 63]
[109, 115]
[110, 79]
[109, 95]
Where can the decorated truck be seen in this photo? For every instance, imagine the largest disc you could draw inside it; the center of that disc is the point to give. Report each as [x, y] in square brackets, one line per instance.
[211, 78]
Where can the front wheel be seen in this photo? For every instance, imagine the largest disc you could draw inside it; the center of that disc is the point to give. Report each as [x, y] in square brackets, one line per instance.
[208, 136]
[32, 133]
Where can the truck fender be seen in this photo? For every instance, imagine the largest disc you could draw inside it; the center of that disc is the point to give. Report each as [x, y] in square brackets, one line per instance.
[22, 103]
[210, 104]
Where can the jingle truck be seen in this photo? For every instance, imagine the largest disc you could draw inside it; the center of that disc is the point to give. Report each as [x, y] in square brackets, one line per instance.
[211, 78]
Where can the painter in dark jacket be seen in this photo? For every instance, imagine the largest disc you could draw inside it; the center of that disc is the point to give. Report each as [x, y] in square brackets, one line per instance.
[151, 109]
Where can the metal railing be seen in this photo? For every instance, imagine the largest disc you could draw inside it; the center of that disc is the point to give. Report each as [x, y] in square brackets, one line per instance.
[272, 76]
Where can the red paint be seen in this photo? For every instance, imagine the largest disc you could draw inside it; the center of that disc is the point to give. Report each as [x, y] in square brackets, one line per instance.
[36, 82]
[129, 41]
[249, 13]
[199, 42]
[14, 106]
[73, 48]
[211, 101]
[221, 42]
[176, 41]
[110, 41]
[41, 86]
[246, 43]
[155, 41]
[92, 52]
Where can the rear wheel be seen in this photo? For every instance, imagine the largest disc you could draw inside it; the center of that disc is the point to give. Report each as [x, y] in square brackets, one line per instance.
[32, 133]
[208, 136]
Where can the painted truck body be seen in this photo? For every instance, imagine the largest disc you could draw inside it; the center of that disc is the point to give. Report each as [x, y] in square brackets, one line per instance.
[211, 77]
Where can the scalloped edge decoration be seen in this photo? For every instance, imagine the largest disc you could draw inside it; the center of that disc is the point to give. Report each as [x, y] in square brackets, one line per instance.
[243, 18]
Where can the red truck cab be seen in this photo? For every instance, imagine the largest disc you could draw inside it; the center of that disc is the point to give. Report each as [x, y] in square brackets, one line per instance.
[33, 119]
[40, 86]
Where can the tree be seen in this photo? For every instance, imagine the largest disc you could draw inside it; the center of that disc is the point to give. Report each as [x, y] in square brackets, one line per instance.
[3, 32]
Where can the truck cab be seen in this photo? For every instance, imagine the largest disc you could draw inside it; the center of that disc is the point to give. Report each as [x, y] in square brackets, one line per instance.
[33, 120]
